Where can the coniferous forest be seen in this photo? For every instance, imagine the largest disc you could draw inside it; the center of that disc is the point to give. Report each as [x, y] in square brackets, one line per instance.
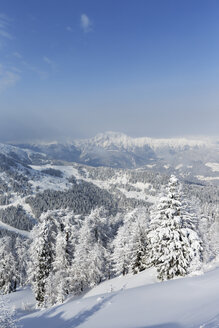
[67, 253]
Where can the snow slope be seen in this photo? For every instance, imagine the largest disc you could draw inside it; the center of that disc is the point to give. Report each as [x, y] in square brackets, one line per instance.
[131, 302]
[5, 226]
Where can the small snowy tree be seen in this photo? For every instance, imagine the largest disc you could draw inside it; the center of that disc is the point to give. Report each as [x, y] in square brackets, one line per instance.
[121, 254]
[173, 244]
[139, 242]
[130, 243]
[214, 234]
[90, 265]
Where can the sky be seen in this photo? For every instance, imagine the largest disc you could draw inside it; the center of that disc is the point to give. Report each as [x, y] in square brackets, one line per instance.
[74, 68]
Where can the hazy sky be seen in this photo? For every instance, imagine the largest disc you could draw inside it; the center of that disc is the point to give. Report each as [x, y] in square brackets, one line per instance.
[73, 68]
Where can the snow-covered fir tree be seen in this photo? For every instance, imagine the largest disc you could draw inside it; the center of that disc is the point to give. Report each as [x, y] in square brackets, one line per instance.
[60, 282]
[214, 234]
[130, 243]
[121, 254]
[91, 261]
[174, 248]
[52, 254]
[42, 253]
[22, 259]
[8, 266]
[56, 287]
[139, 242]
[61, 265]
[209, 227]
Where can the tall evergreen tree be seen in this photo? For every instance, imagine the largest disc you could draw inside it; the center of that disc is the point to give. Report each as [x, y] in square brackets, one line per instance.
[52, 254]
[173, 244]
[8, 265]
[42, 253]
[91, 261]
[60, 282]
[130, 243]
[22, 259]
[139, 242]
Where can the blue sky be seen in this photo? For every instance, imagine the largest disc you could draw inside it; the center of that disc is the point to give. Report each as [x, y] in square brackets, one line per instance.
[73, 68]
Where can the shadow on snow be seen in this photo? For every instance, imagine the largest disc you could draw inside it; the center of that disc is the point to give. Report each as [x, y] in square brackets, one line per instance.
[57, 321]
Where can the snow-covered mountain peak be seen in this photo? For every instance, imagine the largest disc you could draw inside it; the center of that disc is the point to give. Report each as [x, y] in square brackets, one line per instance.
[122, 141]
[110, 138]
[115, 149]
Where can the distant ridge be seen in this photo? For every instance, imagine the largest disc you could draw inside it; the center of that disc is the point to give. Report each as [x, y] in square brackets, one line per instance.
[122, 140]
[194, 159]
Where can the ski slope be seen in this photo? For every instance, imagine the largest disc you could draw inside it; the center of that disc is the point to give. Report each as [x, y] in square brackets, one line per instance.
[137, 301]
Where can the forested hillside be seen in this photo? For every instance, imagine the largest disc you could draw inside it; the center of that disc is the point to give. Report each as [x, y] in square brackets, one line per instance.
[67, 227]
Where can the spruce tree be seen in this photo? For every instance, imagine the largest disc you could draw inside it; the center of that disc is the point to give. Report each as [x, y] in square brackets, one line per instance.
[90, 264]
[42, 252]
[22, 259]
[52, 253]
[139, 242]
[130, 243]
[60, 282]
[173, 244]
[121, 255]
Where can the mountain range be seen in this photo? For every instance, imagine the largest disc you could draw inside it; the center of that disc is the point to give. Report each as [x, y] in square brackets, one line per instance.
[191, 158]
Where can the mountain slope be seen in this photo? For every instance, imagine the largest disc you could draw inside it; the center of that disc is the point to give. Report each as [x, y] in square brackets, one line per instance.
[27, 191]
[186, 303]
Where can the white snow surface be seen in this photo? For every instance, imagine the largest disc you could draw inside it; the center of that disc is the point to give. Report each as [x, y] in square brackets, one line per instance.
[136, 301]
[213, 166]
[22, 154]
[8, 149]
[201, 177]
[5, 226]
[178, 166]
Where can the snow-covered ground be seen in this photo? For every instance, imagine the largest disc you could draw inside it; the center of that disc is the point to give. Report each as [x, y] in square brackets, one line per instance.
[68, 171]
[130, 302]
[5, 226]
[213, 166]
[201, 177]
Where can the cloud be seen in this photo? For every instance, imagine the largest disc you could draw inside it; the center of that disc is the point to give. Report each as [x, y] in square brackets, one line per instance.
[86, 23]
[42, 74]
[47, 60]
[4, 26]
[17, 55]
[50, 62]
[8, 78]
[69, 29]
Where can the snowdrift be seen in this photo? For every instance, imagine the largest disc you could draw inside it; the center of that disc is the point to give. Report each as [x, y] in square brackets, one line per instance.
[130, 302]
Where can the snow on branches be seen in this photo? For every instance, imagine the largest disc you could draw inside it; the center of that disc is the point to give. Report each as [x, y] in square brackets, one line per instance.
[174, 247]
